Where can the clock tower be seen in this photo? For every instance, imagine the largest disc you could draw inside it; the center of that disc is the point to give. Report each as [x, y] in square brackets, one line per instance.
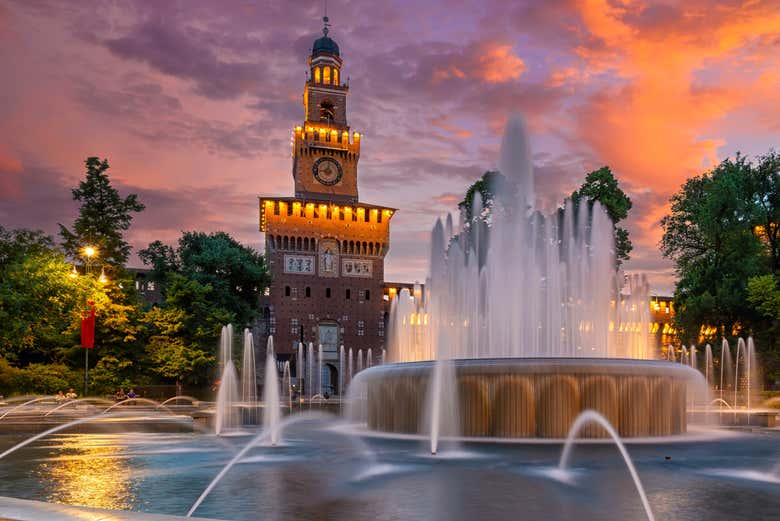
[324, 247]
[325, 152]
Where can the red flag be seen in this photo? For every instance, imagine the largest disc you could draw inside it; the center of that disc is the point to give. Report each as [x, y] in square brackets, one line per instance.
[88, 328]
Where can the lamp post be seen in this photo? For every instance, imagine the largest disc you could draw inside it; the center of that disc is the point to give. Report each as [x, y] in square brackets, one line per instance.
[88, 321]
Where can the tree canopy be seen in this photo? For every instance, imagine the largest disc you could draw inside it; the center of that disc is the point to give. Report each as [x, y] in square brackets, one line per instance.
[103, 217]
[722, 234]
[236, 274]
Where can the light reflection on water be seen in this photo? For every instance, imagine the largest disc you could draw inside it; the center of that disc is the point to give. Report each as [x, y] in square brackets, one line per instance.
[316, 476]
[90, 475]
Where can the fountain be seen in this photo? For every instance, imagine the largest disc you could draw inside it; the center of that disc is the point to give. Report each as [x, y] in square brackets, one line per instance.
[249, 379]
[310, 389]
[287, 384]
[341, 370]
[319, 370]
[271, 414]
[534, 321]
[226, 417]
[349, 367]
[586, 417]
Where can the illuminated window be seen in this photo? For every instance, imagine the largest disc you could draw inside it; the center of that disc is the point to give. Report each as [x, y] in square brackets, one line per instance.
[326, 74]
[316, 75]
[335, 76]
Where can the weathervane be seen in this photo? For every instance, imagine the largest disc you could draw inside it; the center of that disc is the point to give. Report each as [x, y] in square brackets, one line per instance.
[325, 18]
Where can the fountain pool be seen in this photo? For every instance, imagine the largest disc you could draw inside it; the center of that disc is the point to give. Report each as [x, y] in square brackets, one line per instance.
[320, 472]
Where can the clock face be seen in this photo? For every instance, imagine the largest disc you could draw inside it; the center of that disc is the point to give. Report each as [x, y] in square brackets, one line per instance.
[327, 171]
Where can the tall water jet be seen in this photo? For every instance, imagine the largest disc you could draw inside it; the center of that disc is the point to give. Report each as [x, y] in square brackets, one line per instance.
[287, 384]
[369, 358]
[754, 375]
[726, 369]
[225, 346]
[740, 350]
[299, 368]
[359, 360]
[709, 367]
[384, 357]
[515, 161]
[693, 356]
[249, 378]
[271, 414]
[310, 391]
[227, 396]
[319, 370]
[349, 367]
[442, 404]
[341, 370]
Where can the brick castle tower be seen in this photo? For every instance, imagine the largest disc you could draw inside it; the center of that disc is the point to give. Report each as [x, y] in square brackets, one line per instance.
[325, 249]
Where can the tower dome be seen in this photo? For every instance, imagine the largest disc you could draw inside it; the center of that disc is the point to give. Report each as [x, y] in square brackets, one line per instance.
[325, 44]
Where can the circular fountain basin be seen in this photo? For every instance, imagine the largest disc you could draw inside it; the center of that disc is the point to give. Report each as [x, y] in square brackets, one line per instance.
[536, 397]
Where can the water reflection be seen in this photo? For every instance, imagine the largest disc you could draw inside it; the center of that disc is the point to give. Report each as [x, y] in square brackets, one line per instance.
[87, 472]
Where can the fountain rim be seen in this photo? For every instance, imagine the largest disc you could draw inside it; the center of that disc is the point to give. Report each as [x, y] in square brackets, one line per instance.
[595, 366]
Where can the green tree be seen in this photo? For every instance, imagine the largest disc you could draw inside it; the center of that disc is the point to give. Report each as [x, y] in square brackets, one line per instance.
[710, 236]
[103, 218]
[764, 295]
[171, 354]
[764, 182]
[235, 274]
[40, 303]
[600, 185]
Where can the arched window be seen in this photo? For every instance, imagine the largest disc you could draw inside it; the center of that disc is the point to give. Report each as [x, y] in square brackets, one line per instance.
[287, 291]
[306, 243]
[335, 76]
[326, 74]
[368, 294]
[316, 74]
[327, 292]
[348, 294]
[308, 292]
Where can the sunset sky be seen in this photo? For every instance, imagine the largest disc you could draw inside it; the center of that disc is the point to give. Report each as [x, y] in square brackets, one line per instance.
[193, 103]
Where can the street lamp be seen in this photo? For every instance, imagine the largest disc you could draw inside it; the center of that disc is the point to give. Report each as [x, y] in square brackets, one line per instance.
[88, 322]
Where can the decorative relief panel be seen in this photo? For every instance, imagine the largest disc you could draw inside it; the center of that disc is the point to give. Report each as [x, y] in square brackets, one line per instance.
[329, 258]
[303, 264]
[357, 268]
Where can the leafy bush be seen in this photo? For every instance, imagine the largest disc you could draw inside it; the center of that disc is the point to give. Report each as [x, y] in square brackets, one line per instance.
[44, 379]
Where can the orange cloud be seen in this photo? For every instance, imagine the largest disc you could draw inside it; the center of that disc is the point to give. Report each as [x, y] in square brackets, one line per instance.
[498, 64]
[654, 126]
